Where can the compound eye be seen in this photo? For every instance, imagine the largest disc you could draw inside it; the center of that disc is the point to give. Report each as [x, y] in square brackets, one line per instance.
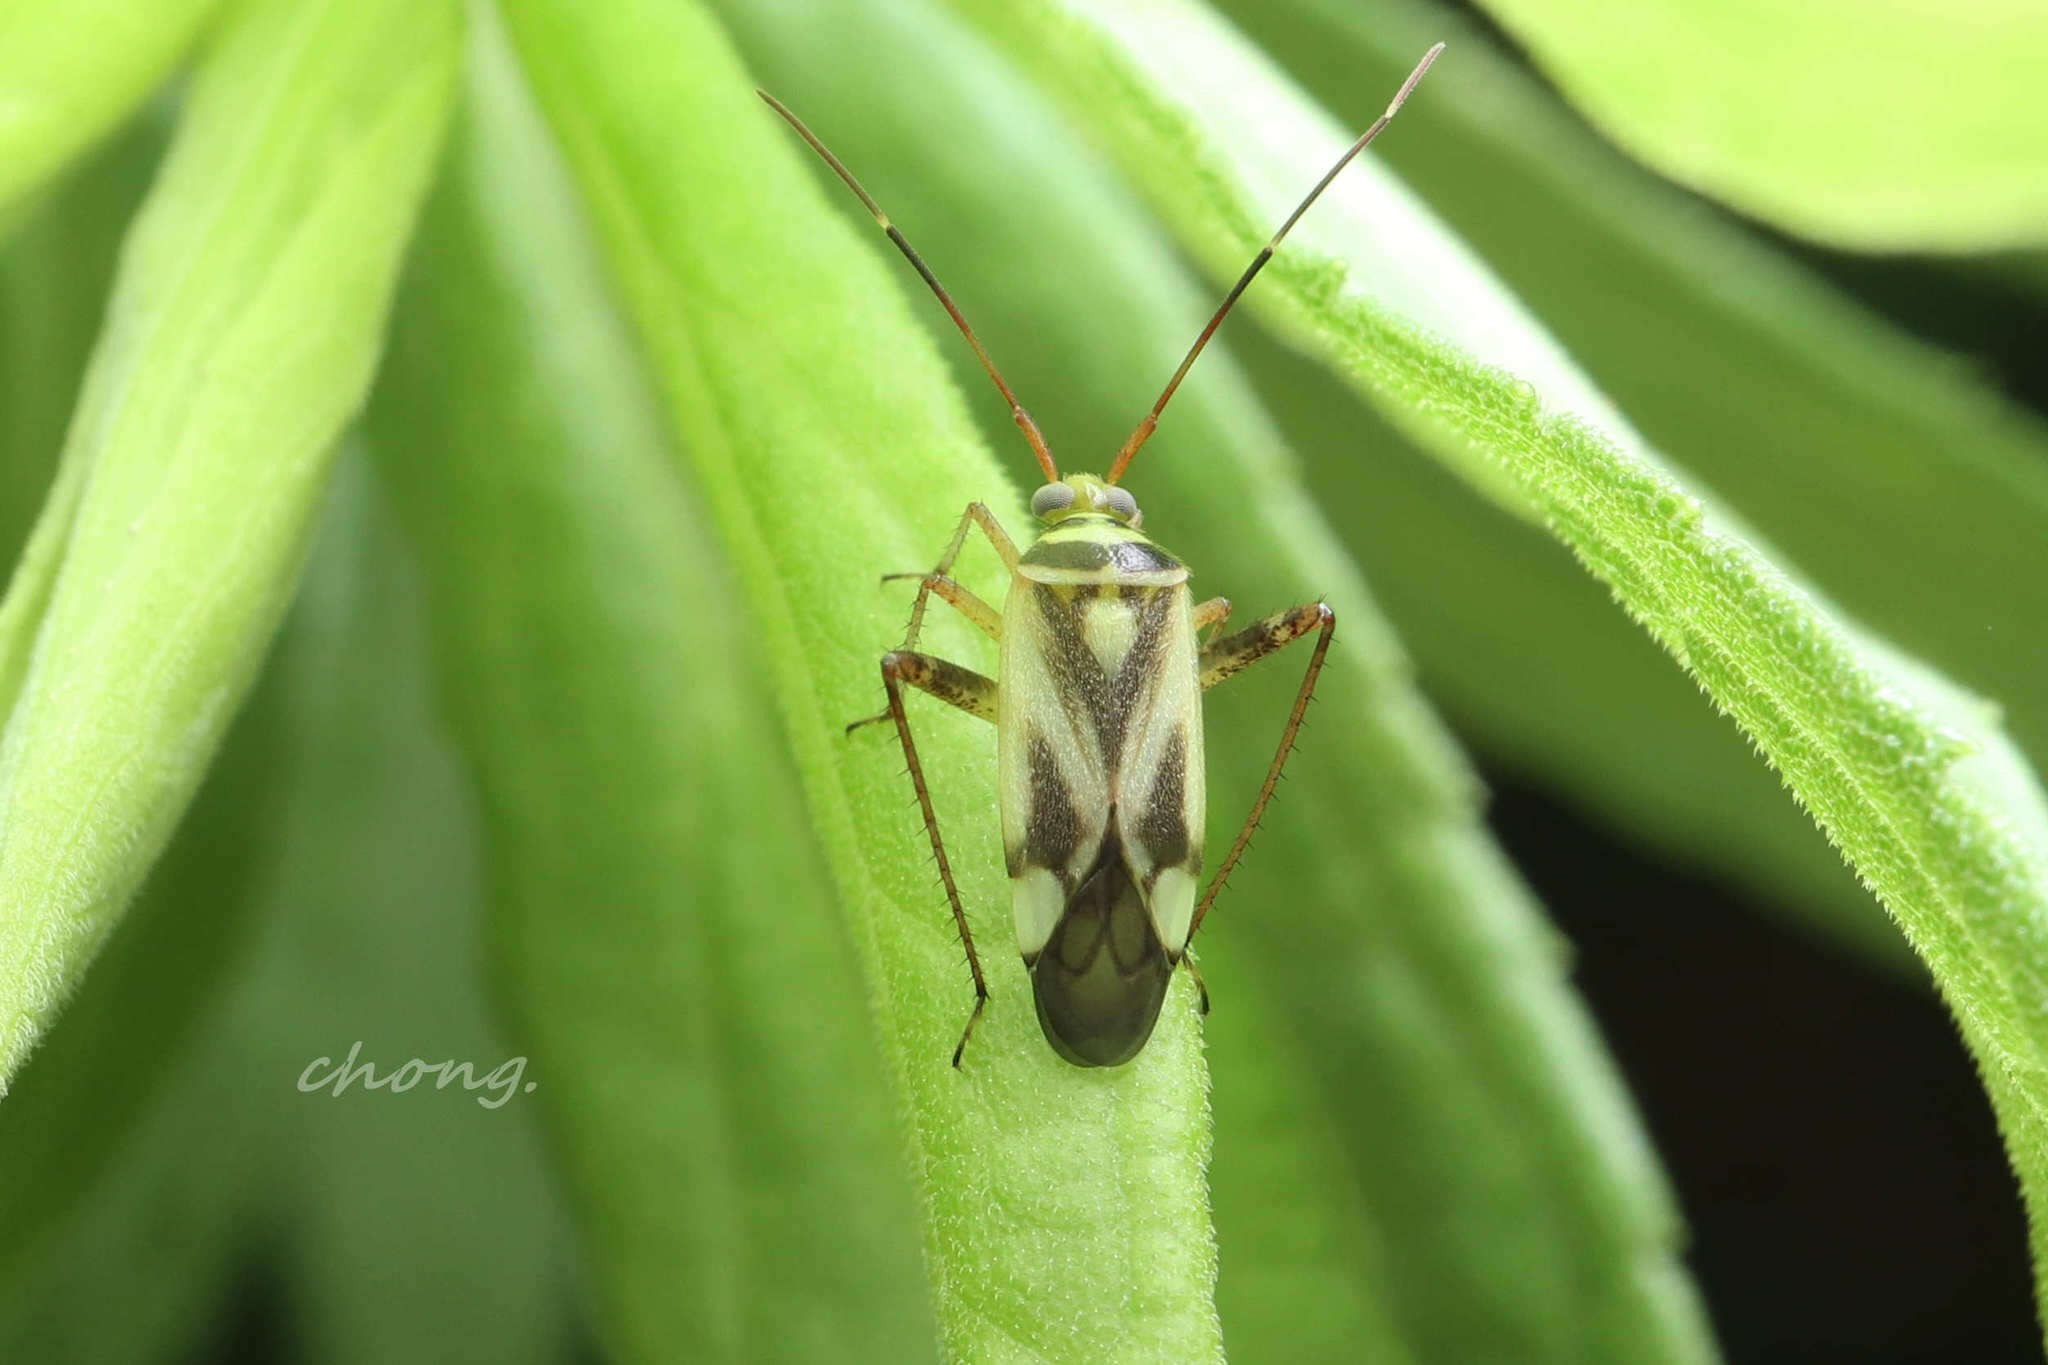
[1120, 503]
[1052, 498]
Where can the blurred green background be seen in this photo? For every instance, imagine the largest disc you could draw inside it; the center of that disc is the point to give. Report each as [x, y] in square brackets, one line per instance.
[524, 775]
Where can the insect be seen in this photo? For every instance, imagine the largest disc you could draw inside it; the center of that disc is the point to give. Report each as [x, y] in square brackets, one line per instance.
[1097, 708]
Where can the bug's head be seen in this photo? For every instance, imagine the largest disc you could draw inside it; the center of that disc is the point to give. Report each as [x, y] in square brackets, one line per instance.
[1084, 495]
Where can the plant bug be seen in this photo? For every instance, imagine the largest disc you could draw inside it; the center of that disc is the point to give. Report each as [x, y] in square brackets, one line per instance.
[1097, 707]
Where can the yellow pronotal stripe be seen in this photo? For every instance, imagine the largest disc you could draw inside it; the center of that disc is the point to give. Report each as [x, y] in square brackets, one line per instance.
[1091, 528]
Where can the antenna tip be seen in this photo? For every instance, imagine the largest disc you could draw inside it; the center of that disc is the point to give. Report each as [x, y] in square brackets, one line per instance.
[1408, 86]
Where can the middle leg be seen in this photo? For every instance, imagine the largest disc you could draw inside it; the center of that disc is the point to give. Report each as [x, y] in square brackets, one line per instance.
[1240, 651]
[976, 695]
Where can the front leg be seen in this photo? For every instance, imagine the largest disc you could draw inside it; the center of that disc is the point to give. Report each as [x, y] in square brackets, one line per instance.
[1240, 651]
[1212, 616]
[976, 514]
[985, 617]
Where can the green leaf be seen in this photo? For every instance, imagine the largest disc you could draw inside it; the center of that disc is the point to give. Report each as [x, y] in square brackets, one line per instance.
[127, 1034]
[70, 72]
[54, 277]
[1833, 431]
[138, 1269]
[376, 959]
[134, 1141]
[1064, 1210]
[365, 885]
[1531, 661]
[1909, 777]
[1883, 128]
[240, 338]
[1420, 1150]
[665, 923]
[1898, 482]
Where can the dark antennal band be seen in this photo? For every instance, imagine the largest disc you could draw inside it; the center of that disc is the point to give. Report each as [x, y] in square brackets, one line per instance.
[1017, 413]
[1146, 427]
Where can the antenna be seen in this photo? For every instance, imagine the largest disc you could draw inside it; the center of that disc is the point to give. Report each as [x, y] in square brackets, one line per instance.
[1146, 427]
[1017, 413]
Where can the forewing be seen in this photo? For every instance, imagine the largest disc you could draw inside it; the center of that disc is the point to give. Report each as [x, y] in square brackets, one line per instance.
[1053, 775]
[1158, 785]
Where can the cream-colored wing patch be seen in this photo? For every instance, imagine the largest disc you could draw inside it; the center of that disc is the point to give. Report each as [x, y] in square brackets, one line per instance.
[1037, 900]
